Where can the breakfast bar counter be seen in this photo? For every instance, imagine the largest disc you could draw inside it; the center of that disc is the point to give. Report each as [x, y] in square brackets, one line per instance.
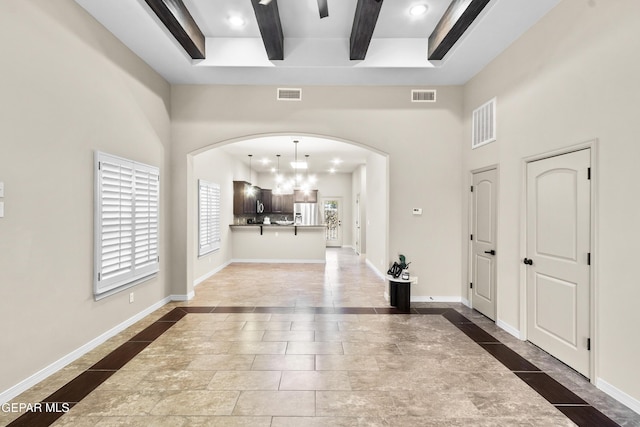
[278, 243]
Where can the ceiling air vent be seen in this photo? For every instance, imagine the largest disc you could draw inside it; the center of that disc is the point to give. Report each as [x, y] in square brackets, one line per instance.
[419, 95]
[484, 124]
[288, 94]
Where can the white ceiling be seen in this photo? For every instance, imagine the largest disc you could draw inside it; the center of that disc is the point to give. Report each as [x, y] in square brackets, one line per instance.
[317, 50]
[322, 153]
[316, 53]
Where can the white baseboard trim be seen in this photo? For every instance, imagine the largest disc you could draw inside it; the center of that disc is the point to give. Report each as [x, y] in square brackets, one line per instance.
[280, 261]
[42, 374]
[186, 297]
[619, 395]
[466, 302]
[421, 298]
[375, 270]
[209, 274]
[508, 328]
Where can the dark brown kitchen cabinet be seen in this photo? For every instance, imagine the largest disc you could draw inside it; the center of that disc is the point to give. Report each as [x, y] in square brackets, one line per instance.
[245, 198]
[301, 196]
[266, 200]
[282, 203]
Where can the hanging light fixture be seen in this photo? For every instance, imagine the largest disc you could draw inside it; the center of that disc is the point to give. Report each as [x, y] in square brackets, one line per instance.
[307, 185]
[296, 164]
[278, 190]
[286, 183]
[250, 190]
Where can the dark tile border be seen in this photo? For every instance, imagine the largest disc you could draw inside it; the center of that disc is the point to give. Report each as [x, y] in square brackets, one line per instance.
[79, 387]
[550, 389]
[509, 358]
[587, 416]
[566, 401]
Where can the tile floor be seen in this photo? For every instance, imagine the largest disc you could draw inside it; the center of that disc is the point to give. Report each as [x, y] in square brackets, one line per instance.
[316, 345]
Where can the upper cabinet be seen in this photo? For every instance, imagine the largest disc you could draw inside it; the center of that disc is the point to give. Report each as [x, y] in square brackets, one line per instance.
[282, 203]
[251, 200]
[245, 198]
[264, 201]
[301, 196]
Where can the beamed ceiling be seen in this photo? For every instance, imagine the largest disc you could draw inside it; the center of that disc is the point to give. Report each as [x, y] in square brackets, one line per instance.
[309, 42]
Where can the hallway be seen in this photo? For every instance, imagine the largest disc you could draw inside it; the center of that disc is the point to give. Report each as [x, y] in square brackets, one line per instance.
[315, 345]
[344, 281]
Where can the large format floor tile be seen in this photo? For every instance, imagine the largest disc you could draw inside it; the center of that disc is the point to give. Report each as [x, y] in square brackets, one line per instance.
[316, 345]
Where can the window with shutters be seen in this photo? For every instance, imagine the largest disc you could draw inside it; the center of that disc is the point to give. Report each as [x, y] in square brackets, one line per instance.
[208, 217]
[126, 223]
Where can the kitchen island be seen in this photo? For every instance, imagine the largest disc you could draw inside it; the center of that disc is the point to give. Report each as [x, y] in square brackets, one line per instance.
[278, 243]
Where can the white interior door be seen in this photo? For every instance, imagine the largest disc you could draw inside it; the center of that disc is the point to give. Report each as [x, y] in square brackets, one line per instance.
[483, 243]
[331, 212]
[558, 256]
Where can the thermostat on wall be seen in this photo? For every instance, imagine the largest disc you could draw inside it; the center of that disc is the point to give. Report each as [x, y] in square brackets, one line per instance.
[417, 211]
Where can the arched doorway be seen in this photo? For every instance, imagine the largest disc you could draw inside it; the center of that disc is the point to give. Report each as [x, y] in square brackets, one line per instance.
[341, 168]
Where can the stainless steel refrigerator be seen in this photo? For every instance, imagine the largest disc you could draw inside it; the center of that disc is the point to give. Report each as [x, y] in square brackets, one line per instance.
[305, 213]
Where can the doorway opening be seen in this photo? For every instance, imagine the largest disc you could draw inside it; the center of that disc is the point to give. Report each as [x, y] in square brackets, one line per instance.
[340, 169]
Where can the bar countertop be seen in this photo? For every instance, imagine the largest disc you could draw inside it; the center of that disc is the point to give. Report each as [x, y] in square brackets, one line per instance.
[277, 225]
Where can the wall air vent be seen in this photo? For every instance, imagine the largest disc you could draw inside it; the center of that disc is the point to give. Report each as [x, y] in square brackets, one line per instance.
[289, 94]
[484, 124]
[419, 95]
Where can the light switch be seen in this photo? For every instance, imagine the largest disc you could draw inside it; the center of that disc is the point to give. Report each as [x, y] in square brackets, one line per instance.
[1, 209]
[417, 211]
[1, 189]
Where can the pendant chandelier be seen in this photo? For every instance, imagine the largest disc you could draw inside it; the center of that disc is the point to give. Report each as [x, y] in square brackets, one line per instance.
[251, 190]
[288, 184]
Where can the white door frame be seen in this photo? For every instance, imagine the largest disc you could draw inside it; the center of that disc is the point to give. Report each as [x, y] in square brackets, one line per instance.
[593, 288]
[497, 231]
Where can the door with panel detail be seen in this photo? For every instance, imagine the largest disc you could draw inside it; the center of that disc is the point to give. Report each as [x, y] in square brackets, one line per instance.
[558, 256]
[483, 243]
[331, 212]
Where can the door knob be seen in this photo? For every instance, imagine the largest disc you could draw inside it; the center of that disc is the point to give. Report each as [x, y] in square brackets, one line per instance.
[492, 252]
[528, 261]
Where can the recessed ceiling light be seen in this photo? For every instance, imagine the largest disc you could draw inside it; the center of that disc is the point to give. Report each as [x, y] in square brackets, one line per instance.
[236, 21]
[336, 161]
[418, 10]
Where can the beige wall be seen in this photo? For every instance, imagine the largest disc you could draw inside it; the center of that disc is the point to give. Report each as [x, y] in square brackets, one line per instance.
[376, 223]
[68, 88]
[278, 244]
[422, 141]
[359, 186]
[219, 168]
[572, 78]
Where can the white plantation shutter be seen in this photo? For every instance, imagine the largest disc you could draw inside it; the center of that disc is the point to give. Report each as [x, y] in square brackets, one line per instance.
[208, 217]
[116, 228]
[126, 227]
[146, 218]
